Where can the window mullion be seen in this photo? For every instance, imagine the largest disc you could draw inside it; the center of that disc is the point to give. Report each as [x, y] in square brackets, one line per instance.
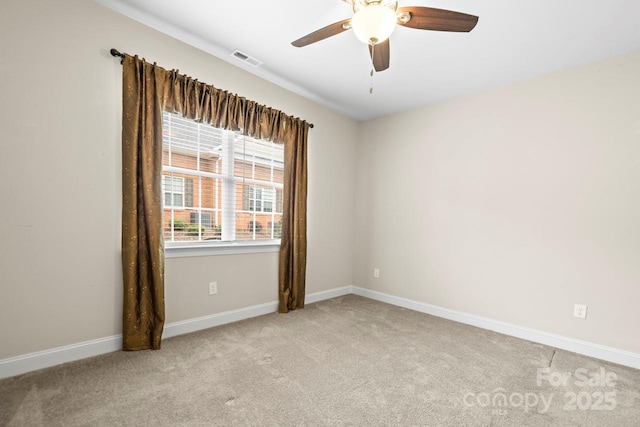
[228, 189]
[173, 217]
[199, 168]
[216, 205]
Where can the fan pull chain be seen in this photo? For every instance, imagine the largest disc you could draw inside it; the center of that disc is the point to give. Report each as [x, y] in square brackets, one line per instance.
[373, 55]
[371, 84]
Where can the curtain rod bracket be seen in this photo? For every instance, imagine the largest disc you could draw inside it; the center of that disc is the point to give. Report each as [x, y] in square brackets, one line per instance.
[115, 53]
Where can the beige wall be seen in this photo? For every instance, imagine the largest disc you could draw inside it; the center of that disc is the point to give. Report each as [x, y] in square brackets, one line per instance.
[512, 204]
[60, 271]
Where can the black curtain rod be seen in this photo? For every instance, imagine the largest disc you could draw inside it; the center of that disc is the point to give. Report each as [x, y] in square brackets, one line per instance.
[116, 53]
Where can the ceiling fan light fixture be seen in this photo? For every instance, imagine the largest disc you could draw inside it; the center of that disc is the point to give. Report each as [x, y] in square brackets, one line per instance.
[374, 23]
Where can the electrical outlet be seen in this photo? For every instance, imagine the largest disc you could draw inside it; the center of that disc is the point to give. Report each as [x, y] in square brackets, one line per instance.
[376, 273]
[213, 288]
[580, 311]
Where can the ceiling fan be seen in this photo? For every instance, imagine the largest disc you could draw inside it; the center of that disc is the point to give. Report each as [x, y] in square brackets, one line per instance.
[374, 20]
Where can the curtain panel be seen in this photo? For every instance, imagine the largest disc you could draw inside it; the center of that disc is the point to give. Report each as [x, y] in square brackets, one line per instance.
[148, 90]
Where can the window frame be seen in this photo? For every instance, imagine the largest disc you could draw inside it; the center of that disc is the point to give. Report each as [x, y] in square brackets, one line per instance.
[178, 249]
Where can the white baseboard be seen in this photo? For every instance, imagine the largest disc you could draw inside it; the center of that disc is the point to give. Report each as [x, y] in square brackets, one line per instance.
[44, 359]
[331, 293]
[205, 322]
[586, 348]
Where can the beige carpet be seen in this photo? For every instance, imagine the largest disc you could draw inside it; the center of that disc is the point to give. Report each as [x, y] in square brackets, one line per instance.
[348, 361]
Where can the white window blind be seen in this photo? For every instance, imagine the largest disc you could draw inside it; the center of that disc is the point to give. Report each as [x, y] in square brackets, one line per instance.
[219, 186]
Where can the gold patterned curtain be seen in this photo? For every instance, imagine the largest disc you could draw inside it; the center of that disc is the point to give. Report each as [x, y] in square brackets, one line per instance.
[142, 241]
[293, 245]
[147, 91]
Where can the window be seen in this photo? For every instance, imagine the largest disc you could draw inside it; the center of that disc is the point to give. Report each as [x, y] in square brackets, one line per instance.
[261, 199]
[219, 186]
[173, 191]
[258, 199]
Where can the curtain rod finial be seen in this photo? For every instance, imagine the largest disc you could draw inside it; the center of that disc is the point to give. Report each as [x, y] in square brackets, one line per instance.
[115, 53]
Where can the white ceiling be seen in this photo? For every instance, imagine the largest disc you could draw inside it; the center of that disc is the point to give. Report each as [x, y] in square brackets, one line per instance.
[514, 40]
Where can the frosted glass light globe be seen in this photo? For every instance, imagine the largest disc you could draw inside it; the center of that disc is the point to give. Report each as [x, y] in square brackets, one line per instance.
[374, 23]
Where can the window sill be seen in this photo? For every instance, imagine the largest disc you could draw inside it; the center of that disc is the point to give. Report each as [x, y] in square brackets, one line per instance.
[178, 250]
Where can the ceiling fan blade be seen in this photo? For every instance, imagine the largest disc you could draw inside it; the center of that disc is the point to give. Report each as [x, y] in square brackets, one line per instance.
[323, 33]
[380, 55]
[428, 18]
